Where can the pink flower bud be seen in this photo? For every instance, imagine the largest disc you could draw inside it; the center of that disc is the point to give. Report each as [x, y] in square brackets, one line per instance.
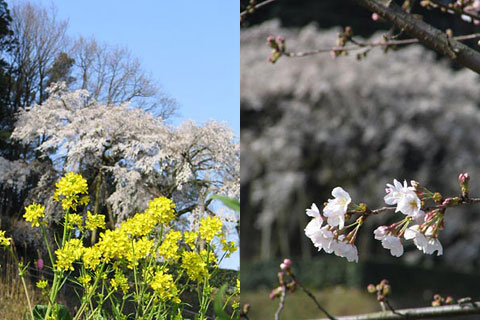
[270, 38]
[288, 262]
[40, 264]
[375, 17]
[280, 39]
[463, 178]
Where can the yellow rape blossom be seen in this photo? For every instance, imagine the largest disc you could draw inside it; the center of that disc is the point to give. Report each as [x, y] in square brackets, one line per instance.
[94, 221]
[72, 189]
[84, 280]
[114, 244]
[190, 239]
[208, 256]
[163, 209]
[4, 241]
[33, 214]
[210, 227]
[139, 225]
[75, 220]
[169, 247]
[120, 282]
[91, 257]
[228, 247]
[71, 252]
[163, 284]
[42, 284]
[194, 265]
[139, 249]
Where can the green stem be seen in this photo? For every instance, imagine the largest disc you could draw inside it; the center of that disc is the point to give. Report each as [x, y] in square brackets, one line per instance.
[20, 272]
[28, 298]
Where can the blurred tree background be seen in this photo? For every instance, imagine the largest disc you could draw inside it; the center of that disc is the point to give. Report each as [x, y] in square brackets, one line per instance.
[311, 124]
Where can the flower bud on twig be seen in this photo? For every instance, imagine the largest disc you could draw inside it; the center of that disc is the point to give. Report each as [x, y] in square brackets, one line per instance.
[464, 179]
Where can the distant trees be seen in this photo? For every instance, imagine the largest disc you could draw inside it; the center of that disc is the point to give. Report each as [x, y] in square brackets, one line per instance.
[128, 155]
[112, 75]
[90, 123]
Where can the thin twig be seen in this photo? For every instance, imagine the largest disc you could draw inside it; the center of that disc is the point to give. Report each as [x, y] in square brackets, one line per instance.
[316, 302]
[392, 309]
[362, 45]
[261, 4]
[294, 278]
[282, 301]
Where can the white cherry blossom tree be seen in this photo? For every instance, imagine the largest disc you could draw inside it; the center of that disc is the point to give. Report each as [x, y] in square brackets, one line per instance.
[130, 155]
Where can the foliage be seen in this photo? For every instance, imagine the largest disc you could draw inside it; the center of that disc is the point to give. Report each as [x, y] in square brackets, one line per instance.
[130, 154]
[144, 258]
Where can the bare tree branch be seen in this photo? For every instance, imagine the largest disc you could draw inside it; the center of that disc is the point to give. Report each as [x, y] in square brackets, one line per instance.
[431, 37]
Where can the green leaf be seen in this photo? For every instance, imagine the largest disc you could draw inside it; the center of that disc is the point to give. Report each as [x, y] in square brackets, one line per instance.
[218, 304]
[40, 310]
[229, 202]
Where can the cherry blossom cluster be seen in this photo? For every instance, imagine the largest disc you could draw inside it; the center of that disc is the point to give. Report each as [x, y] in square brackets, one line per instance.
[328, 230]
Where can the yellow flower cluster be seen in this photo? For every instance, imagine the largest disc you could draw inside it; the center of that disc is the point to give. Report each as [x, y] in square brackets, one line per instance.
[190, 239]
[72, 189]
[169, 247]
[94, 221]
[210, 227]
[91, 257]
[165, 287]
[120, 282]
[4, 241]
[196, 264]
[140, 249]
[113, 244]
[139, 225]
[72, 251]
[84, 280]
[236, 304]
[42, 284]
[228, 247]
[163, 209]
[75, 220]
[33, 214]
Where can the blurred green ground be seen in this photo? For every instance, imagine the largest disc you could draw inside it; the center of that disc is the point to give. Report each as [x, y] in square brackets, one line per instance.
[337, 300]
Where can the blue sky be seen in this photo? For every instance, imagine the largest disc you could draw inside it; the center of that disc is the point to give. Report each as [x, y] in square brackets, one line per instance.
[192, 48]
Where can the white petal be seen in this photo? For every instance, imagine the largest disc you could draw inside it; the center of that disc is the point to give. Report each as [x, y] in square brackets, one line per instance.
[313, 211]
[338, 192]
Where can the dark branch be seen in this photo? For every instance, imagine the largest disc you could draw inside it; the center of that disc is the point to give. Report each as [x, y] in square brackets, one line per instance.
[431, 37]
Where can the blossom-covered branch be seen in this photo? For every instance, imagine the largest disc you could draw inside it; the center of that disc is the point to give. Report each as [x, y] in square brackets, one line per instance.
[419, 222]
[136, 153]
